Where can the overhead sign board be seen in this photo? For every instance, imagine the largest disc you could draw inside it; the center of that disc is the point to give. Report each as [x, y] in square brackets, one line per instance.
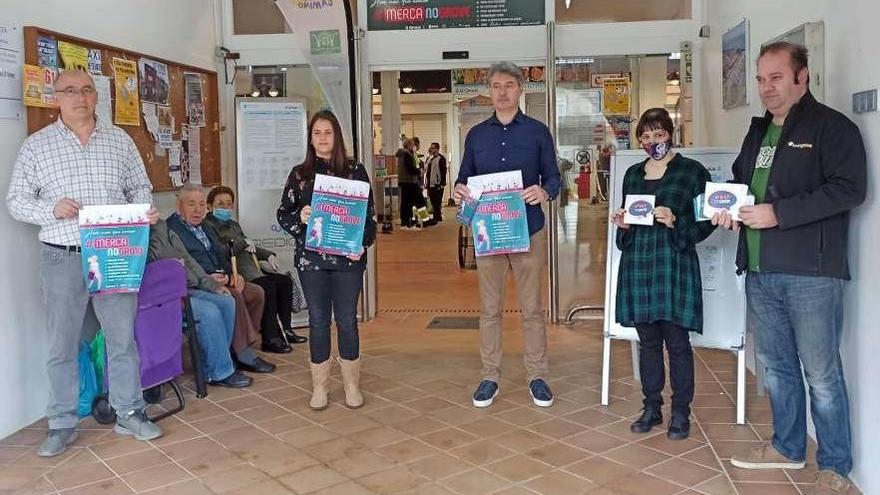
[387, 15]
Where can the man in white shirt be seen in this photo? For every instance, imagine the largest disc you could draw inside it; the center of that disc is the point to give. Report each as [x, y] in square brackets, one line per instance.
[74, 162]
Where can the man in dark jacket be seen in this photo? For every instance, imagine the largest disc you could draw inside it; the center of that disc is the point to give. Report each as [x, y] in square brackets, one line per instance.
[436, 179]
[806, 166]
[408, 184]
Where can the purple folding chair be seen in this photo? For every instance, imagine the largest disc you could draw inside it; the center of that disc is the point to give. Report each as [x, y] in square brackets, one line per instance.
[162, 304]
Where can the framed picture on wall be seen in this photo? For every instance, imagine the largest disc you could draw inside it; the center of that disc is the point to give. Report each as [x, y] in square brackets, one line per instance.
[270, 84]
[735, 66]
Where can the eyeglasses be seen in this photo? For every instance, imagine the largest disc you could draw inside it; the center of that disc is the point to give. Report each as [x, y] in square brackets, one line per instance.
[71, 92]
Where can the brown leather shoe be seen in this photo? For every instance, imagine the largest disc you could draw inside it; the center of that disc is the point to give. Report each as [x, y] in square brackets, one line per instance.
[830, 483]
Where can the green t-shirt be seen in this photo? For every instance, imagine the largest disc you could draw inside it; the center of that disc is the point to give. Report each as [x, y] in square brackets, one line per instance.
[758, 188]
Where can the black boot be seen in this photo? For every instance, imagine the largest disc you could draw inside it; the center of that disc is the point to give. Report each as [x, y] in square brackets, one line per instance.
[650, 418]
[293, 338]
[679, 427]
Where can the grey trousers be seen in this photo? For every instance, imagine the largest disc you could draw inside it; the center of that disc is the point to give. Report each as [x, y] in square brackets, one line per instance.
[67, 305]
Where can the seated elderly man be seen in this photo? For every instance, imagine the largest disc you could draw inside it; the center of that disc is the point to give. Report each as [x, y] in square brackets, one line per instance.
[212, 305]
[203, 244]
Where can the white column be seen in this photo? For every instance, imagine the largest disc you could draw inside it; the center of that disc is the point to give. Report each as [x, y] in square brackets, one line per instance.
[652, 83]
[390, 112]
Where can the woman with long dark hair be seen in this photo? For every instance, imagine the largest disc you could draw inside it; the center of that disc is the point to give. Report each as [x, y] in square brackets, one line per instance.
[331, 283]
[658, 285]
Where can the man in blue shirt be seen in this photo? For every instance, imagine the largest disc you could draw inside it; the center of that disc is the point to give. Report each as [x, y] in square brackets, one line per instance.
[510, 140]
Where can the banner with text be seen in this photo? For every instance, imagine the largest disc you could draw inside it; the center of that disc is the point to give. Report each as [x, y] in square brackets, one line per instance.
[321, 29]
[386, 15]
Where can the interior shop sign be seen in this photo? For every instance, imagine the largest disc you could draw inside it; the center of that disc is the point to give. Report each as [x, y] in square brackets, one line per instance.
[432, 14]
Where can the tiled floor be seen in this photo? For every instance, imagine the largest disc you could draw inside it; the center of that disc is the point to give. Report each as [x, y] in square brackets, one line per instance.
[418, 432]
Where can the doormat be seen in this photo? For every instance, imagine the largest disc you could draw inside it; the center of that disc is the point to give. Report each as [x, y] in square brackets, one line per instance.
[454, 323]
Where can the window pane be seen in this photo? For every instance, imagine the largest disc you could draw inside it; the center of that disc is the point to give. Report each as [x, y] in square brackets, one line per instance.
[579, 11]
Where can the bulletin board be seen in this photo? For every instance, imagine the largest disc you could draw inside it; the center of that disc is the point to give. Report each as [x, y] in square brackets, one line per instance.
[155, 160]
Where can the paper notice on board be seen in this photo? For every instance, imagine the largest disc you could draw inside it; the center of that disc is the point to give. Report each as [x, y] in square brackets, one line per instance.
[710, 266]
[184, 153]
[47, 52]
[75, 57]
[151, 120]
[104, 109]
[195, 155]
[127, 99]
[10, 73]
[164, 136]
[166, 118]
[195, 104]
[174, 164]
[96, 66]
[37, 86]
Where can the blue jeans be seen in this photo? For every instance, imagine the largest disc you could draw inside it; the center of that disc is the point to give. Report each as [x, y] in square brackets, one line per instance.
[797, 321]
[215, 323]
[332, 292]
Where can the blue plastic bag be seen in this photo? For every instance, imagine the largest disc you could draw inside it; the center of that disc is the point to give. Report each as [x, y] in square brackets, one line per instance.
[88, 383]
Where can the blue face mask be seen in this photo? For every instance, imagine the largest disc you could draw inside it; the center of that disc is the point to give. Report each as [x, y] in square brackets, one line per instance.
[223, 214]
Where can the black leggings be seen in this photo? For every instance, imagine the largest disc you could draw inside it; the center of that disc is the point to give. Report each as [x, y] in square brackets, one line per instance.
[652, 369]
[279, 291]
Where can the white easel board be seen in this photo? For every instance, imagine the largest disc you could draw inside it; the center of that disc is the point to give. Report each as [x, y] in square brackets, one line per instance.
[724, 303]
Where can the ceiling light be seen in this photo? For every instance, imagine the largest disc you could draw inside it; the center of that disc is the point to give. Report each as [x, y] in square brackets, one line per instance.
[675, 56]
[284, 69]
[375, 91]
[273, 92]
[255, 93]
[674, 82]
[407, 89]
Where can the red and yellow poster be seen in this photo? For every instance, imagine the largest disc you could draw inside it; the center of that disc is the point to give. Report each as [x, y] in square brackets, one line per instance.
[37, 86]
[127, 100]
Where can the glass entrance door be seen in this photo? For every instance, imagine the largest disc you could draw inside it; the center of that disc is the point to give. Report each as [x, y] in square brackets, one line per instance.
[598, 102]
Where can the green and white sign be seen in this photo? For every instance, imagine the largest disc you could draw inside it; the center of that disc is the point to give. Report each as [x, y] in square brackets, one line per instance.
[325, 42]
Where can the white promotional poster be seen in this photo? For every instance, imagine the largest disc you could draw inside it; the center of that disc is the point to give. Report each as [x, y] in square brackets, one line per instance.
[322, 34]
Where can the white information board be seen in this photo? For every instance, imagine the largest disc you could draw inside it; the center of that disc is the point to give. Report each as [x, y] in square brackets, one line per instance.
[724, 303]
[270, 140]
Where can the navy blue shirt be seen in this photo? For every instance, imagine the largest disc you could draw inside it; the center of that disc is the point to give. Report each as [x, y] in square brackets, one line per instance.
[524, 144]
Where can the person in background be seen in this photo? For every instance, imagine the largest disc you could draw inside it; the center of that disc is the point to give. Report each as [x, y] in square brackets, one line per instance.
[213, 308]
[806, 165]
[203, 244]
[408, 183]
[73, 162]
[436, 178]
[277, 287]
[331, 283]
[510, 140]
[659, 289]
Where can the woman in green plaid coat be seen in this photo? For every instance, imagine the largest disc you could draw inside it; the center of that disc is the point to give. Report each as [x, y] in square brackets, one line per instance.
[658, 286]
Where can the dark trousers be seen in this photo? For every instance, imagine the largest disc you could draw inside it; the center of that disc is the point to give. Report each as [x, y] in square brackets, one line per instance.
[435, 194]
[332, 293]
[279, 291]
[681, 365]
[409, 197]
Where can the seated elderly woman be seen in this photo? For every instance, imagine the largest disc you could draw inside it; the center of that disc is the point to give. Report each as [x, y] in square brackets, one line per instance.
[203, 244]
[278, 287]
